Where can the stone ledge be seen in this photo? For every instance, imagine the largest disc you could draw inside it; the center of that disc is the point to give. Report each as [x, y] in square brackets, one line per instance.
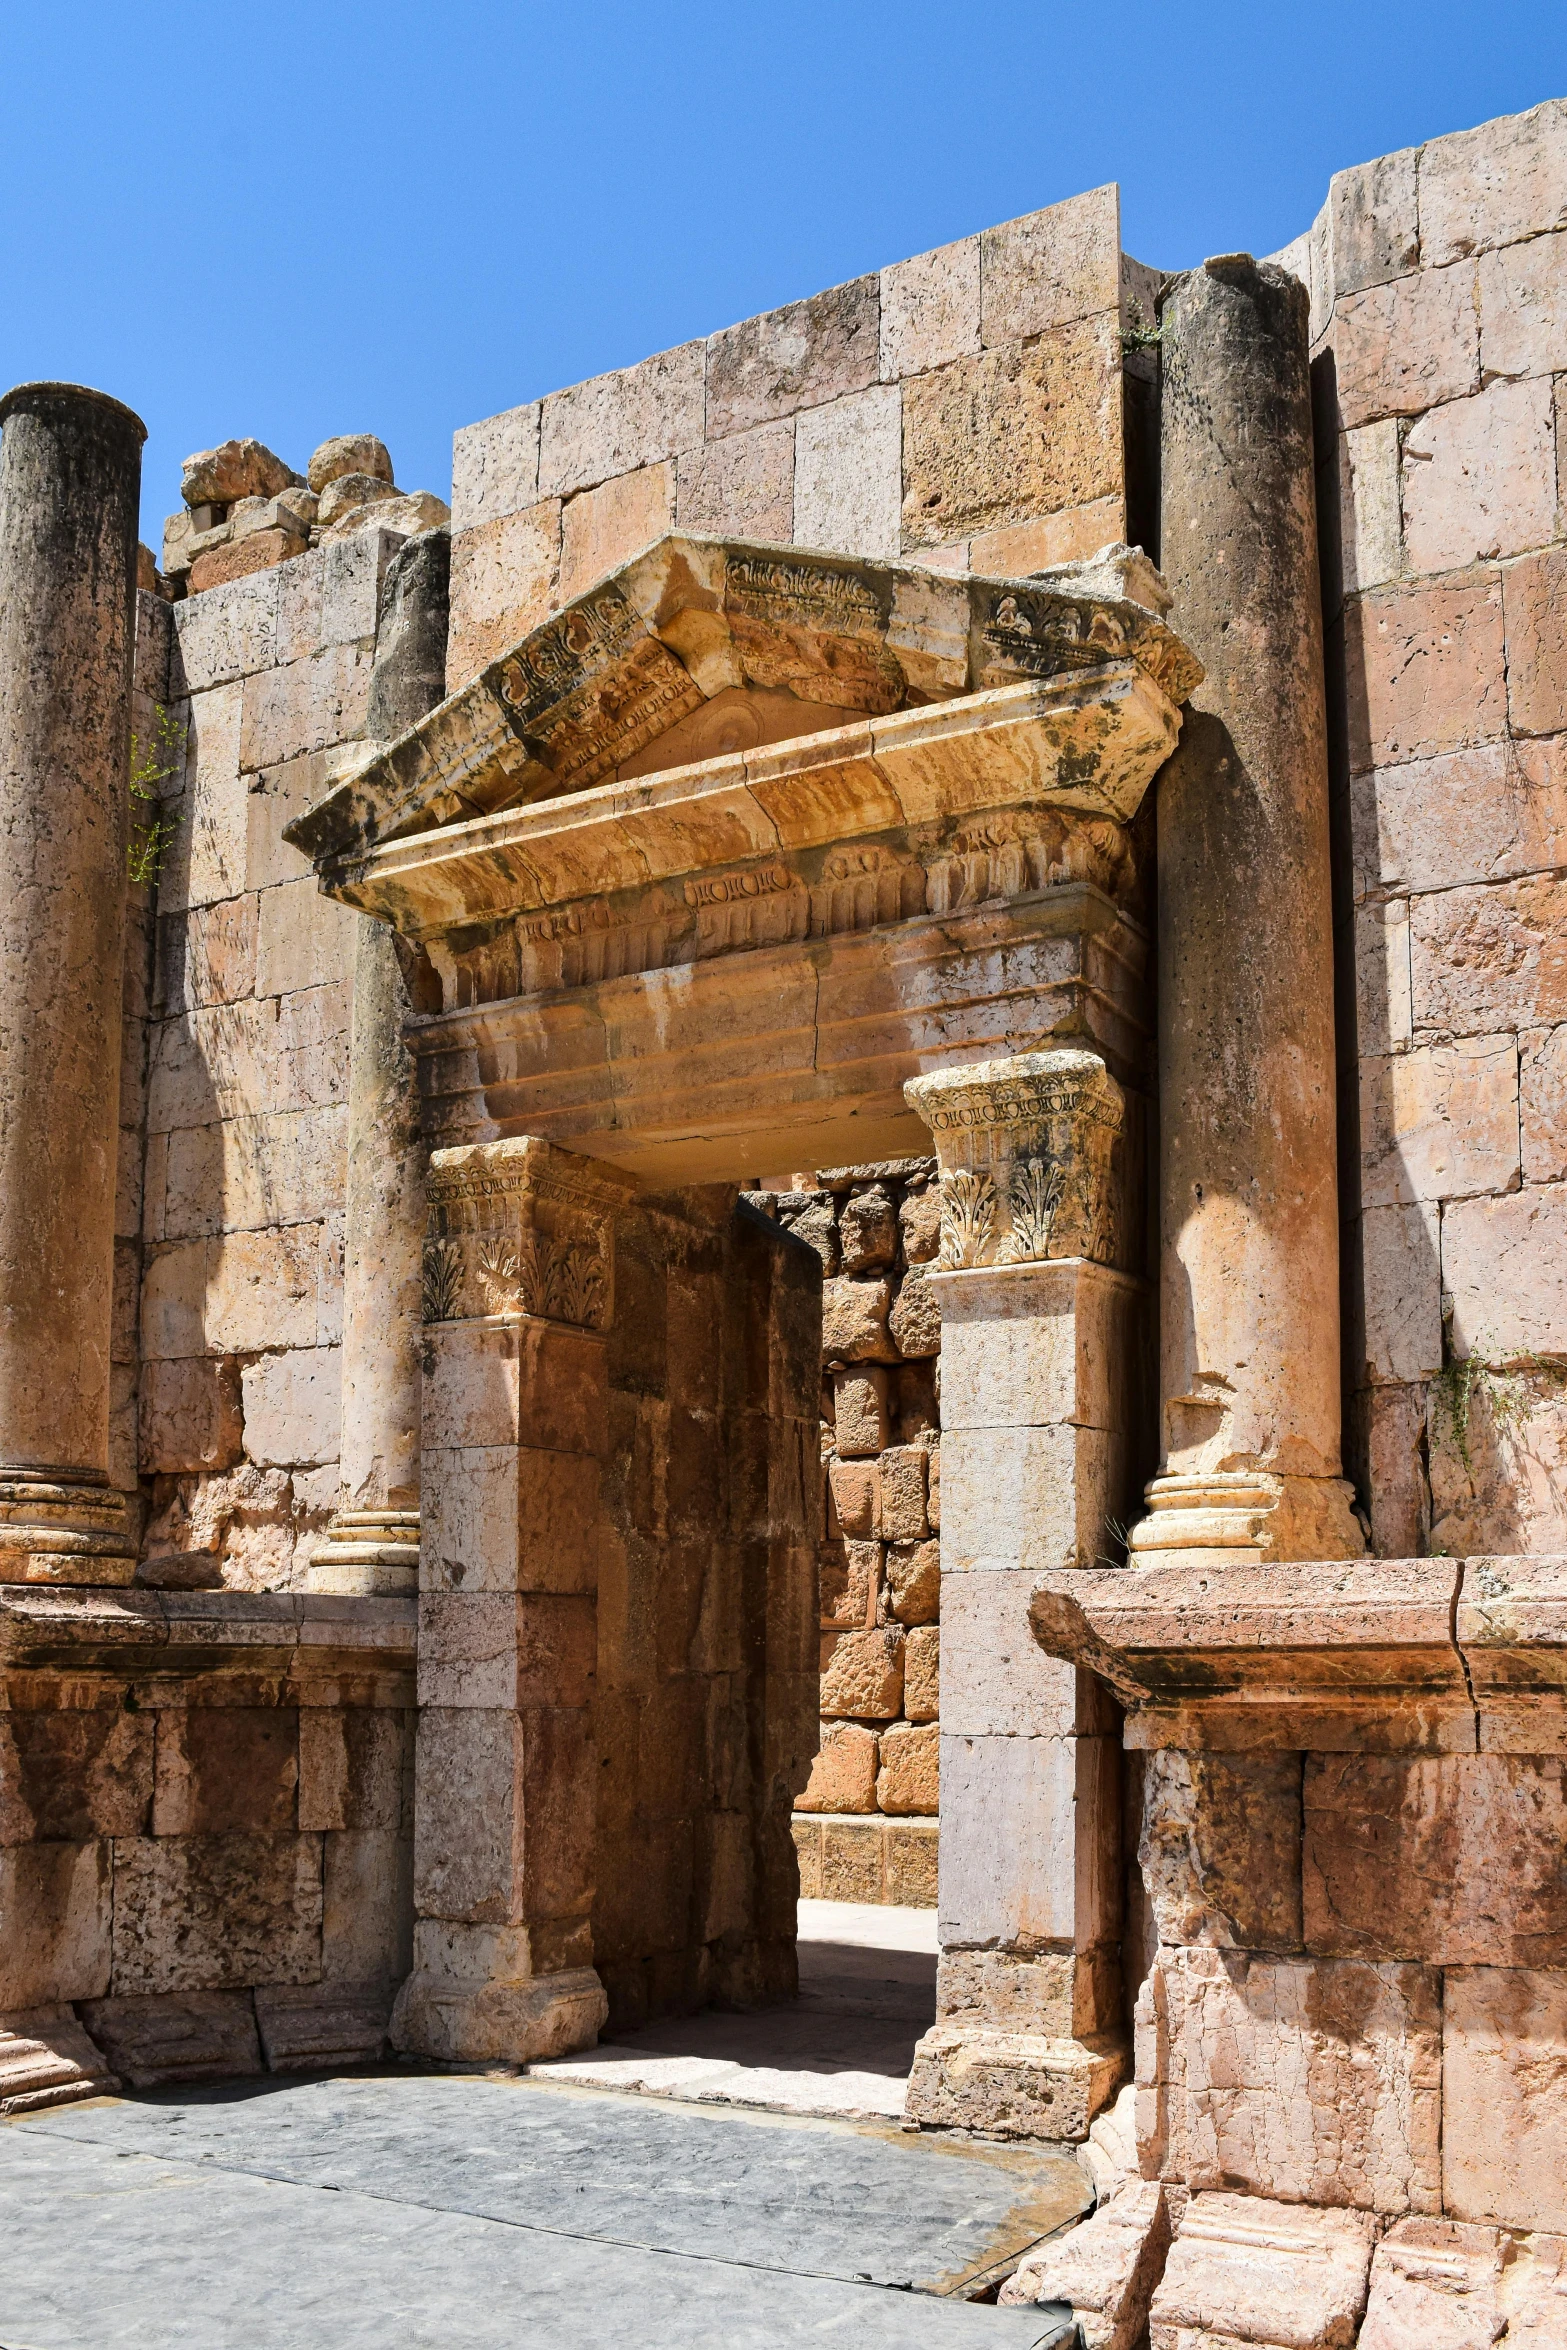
[79, 1628]
[1365, 1655]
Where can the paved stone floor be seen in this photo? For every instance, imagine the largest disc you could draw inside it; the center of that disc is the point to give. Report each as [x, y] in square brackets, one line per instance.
[416, 2211]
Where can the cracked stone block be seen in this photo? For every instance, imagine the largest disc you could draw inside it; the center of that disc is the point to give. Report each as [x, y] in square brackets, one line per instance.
[318, 2026]
[1220, 1848]
[1277, 2275]
[1317, 2080]
[1107, 2268]
[1504, 2076]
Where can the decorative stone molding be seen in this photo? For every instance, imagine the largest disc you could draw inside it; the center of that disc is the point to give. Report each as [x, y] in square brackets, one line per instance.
[1026, 1148]
[519, 1227]
[63, 1526]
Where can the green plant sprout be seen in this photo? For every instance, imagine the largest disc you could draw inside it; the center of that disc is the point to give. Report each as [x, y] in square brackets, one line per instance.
[152, 766]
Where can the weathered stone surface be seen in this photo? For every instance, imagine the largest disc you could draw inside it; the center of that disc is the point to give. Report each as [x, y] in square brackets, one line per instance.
[914, 1324]
[1453, 1859]
[70, 1774]
[614, 423]
[1011, 2084]
[1505, 1272]
[930, 310]
[1107, 2268]
[1244, 2270]
[1373, 222]
[854, 1490]
[912, 1576]
[189, 2036]
[1480, 815]
[495, 467]
[55, 1921]
[1480, 477]
[1440, 1122]
[861, 1411]
[1537, 642]
[505, 578]
[848, 473]
[743, 485]
[862, 1673]
[1425, 670]
[351, 1766]
[868, 1230]
[843, 1776]
[345, 454]
[919, 1222]
[854, 1322]
[991, 439]
[910, 1769]
[1504, 2081]
[197, 1913]
[47, 2059]
[349, 493]
[293, 1406]
[1486, 187]
[922, 1673]
[1051, 267]
[1220, 1848]
[1435, 2281]
[235, 469]
[321, 2026]
[1406, 346]
[1314, 2080]
[225, 1769]
[601, 528]
[903, 1471]
[242, 558]
[1013, 1993]
[797, 357]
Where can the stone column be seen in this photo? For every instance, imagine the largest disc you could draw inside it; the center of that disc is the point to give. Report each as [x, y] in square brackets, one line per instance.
[1249, 1299]
[70, 478]
[372, 1543]
[518, 1298]
[1040, 1347]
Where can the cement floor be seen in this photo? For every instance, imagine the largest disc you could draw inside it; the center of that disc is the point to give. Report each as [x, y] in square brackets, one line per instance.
[422, 2211]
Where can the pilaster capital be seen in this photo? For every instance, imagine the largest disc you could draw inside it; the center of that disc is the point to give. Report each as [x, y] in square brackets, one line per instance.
[521, 1227]
[1028, 1153]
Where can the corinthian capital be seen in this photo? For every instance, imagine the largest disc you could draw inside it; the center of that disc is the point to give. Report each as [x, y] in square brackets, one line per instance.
[1027, 1149]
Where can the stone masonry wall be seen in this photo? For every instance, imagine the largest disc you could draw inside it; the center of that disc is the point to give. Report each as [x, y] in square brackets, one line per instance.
[1439, 283]
[865, 1826]
[968, 407]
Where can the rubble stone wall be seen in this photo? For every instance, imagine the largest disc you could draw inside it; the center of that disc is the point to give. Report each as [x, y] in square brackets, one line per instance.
[865, 1824]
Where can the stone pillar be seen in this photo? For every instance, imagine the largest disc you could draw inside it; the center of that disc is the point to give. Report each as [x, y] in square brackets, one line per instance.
[70, 478]
[372, 1543]
[1040, 1347]
[1249, 1299]
[518, 1298]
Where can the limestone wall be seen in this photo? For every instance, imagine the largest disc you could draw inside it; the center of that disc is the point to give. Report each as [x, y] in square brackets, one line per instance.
[1439, 283]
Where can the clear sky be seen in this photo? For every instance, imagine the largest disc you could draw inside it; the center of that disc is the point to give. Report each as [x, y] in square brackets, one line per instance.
[293, 221]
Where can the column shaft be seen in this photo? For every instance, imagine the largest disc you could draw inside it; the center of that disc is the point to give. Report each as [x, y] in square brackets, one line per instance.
[372, 1543]
[70, 474]
[1249, 1307]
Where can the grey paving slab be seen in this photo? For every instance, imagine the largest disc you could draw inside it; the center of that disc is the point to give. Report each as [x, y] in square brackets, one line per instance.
[763, 2190]
[109, 2247]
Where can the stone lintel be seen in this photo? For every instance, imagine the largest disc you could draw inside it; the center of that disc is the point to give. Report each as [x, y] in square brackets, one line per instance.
[126, 1632]
[1361, 1655]
[703, 645]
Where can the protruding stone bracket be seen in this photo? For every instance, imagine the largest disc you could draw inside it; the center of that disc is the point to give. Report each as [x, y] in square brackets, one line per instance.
[519, 1227]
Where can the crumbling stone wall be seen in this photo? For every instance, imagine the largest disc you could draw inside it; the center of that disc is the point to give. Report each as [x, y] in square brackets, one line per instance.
[865, 1824]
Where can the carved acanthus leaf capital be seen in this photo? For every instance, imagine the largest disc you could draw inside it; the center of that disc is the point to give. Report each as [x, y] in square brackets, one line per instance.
[521, 1227]
[1027, 1149]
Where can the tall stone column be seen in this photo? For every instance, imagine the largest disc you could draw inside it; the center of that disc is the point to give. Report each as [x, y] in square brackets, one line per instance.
[70, 480]
[519, 1275]
[1040, 1348]
[372, 1543]
[1249, 1300]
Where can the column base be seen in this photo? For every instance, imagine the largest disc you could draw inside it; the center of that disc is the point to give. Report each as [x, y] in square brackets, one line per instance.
[64, 1529]
[1220, 1518]
[366, 1552]
[970, 2076]
[470, 2000]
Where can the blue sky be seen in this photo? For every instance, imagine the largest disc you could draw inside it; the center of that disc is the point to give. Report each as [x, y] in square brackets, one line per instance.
[296, 221]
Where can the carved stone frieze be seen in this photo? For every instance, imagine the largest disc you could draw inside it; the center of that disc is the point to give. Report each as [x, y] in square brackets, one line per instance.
[1027, 1149]
[519, 1227]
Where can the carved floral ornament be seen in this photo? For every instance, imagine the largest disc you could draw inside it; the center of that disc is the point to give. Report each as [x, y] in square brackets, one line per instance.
[519, 1227]
[1026, 1148]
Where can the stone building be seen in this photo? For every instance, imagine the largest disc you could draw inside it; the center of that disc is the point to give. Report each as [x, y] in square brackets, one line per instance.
[870, 1063]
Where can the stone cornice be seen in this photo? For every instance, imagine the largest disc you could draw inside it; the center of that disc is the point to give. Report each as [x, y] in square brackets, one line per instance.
[1376, 1655]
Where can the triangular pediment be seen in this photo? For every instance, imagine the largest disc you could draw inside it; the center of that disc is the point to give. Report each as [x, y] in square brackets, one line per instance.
[701, 648]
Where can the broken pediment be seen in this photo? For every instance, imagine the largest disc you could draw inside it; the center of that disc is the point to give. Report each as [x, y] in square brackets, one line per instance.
[703, 649]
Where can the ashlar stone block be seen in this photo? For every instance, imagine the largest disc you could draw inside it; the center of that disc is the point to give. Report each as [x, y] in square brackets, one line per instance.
[1050, 268]
[1220, 1848]
[1107, 2269]
[1406, 346]
[922, 1673]
[742, 486]
[1313, 2080]
[848, 473]
[1012, 434]
[1491, 186]
[155, 2040]
[1269, 2273]
[203, 1913]
[798, 357]
[862, 1411]
[602, 528]
[1503, 1267]
[495, 467]
[1504, 2076]
[1479, 815]
[930, 310]
[1425, 669]
[55, 1922]
[909, 1779]
[225, 1769]
[1536, 600]
[1440, 1122]
[632, 417]
[1479, 477]
[843, 1775]
[862, 1673]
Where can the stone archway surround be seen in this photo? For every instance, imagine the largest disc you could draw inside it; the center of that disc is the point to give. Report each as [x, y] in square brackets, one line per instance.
[919, 919]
